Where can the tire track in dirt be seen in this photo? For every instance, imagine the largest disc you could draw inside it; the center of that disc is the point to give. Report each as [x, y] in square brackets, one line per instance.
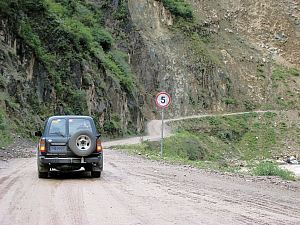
[259, 204]
[137, 191]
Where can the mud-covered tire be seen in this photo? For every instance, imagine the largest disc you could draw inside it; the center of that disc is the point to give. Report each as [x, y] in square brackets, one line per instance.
[43, 174]
[43, 169]
[87, 148]
[96, 174]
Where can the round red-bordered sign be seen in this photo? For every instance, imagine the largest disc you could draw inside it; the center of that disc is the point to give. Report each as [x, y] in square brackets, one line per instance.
[163, 100]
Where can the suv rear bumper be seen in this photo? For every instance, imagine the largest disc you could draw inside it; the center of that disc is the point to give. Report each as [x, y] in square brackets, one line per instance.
[62, 160]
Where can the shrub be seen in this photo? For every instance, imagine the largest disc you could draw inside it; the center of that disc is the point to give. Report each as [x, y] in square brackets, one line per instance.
[249, 105]
[103, 38]
[185, 145]
[113, 126]
[294, 72]
[271, 169]
[4, 130]
[122, 11]
[55, 8]
[281, 73]
[31, 38]
[270, 115]
[179, 8]
[230, 101]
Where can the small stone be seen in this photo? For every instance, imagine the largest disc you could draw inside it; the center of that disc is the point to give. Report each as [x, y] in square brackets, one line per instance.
[292, 158]
[295, 162]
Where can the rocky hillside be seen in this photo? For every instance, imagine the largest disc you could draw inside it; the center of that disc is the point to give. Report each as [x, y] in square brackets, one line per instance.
[230, 55]
[109, 58]
[58, 58]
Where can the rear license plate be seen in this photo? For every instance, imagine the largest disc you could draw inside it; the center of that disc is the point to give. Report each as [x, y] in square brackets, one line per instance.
[58, 149]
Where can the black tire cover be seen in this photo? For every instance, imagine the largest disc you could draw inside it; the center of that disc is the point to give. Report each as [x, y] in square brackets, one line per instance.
[76, 150]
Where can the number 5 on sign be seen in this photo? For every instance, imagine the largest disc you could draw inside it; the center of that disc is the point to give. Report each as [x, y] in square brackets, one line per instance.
[163, 100]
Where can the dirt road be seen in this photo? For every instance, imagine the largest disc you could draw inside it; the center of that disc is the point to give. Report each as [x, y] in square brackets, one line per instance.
[134, 190]
[153, 129]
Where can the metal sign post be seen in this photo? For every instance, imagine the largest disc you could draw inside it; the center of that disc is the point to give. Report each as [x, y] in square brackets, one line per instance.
[163, 100]
[162, 132]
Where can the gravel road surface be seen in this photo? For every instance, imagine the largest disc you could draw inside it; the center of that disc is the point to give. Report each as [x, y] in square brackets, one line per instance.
[134, 190]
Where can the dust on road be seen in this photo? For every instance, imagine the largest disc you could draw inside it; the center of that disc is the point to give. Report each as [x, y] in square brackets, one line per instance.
[134, 190]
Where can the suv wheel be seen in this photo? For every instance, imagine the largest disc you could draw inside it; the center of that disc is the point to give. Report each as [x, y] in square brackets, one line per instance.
[43, 174]
[96, 174]
[42, 170]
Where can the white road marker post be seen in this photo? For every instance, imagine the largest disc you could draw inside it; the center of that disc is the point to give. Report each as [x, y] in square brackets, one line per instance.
[162, 100]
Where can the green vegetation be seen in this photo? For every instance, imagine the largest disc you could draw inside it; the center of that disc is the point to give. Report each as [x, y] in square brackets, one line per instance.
[67, 36]
[122, 12]
[245, 137]
[179, 8]
[261, 70]
[271, 169]
[230, 101]
[60, 30]
[4, 130]
[200, 48]
[285, 91]
[281, 73]
[226, 143]
[249, 105]
[113, 126]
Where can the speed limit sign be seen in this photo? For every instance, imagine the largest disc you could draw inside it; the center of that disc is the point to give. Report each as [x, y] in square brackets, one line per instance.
[163, 100]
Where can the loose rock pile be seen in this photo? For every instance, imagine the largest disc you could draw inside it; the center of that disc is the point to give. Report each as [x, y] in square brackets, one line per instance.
[21, 148]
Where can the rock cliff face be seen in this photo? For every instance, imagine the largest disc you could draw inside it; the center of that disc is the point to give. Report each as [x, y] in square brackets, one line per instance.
[168, 60]
[233, 56]
[33, 89]
[109, 58]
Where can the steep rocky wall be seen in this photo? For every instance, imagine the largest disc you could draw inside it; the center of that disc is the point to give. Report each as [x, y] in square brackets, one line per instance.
[28, 91]
[219, 64]
[224, 60]
[259, 44]
[166, 60]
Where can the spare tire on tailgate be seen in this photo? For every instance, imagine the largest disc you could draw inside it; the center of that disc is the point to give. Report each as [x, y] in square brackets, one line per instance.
[82, 143]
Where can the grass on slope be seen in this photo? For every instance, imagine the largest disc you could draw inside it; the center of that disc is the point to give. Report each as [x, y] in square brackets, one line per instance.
[5, 137]
[179, 8]
[271, 169]
[67, 38]
[229, 143]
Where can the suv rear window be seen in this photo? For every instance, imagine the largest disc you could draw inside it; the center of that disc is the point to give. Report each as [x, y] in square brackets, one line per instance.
[79, 124]
[58, 127]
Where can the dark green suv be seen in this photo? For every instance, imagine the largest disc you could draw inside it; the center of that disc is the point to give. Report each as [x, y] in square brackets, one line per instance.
[69, 143]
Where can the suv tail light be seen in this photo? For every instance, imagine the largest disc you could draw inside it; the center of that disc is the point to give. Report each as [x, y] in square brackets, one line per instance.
[42, 146]
[99, 146]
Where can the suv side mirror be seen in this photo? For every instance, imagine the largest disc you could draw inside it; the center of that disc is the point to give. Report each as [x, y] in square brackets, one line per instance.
[38, 133]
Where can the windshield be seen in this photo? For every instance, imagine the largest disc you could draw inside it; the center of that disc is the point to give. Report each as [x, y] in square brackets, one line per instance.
[79, 124]
[58, 127]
